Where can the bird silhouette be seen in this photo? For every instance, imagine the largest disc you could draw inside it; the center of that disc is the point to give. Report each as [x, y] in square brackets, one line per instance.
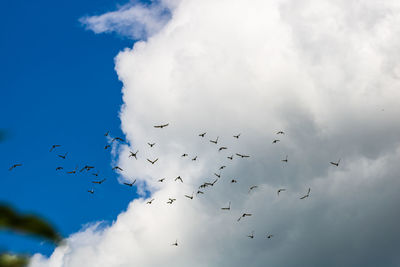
[199, 192]
[335, 163]
[286, 159]
[63, 156]
[252, 235]
[222, 148]
[231, 157]
[87, 168]
[133, 154]
[161, 180]
[184, 155]
[252, 187]
[276, 141]
[227, 208]
[218, 175]
[53, 147]
[117, 139]
[99, 182]
[73, 171]
[179, 178]
[242, 156]
[150, 201]
[117, 168]
[190, 197]
[14, 166]
[244, 215]
[59, 168]
[95, 174]
[233, 181]
[280, 132]
[151, 144]
[152, 161]
[195, 158]
[308, 194]
[216, 140]
[175, 244]
[202, 134]
[130, 184]
[171, 200]
[106, 146]
[222, 167]
[237, 136]
[269, 236]
[281, 190]
[106, 134]
[161, 126]
[91, 191]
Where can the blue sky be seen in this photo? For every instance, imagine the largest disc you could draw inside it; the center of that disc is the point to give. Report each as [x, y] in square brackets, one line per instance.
[58, 86]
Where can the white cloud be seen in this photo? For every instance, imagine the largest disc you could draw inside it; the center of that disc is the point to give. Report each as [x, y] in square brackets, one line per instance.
[322, 71]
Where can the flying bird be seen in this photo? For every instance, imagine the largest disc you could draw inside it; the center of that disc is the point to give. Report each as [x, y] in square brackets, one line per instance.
[269, 236]
[161, 126]
[286, 159]
[202, 134]
[118, 139]
[191, 197]
[59, 168]
[179, 178]
[14, 166]
[130, 184]
[96, 174]
[199, 192]
[280, 190]
[218, 175]
[150, 201]
[161, 180]
[211, 184]
[222, 167]
[252, 187]
[252, 235]
[231, 157]
[74, 171]
[195, 158]
[280, 132]
[171, 200]
[237, 136]
[216, 140]
[233, 181]
[276, 141]
[335, 163]
[99, 182]
[242, 156]
[151, 144]
[117, 168]
[227, 208]
[91, 191]
[133, 154]
[53, 147]
[175, 244]
[222, 148]
[152, 162]
[308, 194]
[244, 215]
[184, 155]
[106, 146]
[63, 156]
[87, 168]
[106, 134]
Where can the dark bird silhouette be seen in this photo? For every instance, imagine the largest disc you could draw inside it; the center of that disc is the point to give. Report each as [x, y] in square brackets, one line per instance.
[171, 200]
[151, 144]
[99, 182]
[87, 168]
[191, 197]
[131, 154]
[276, 141]
[308, 194]
[244, 215]
[335, 163]
[199, 192]
[161, 180]
[222, 167]
[59, 168]
[227, 208]
[91, 191]
[179, 178]
[202, 134]
[233, 181]
[280, 190]
[231, 157]
[161, 126]
[218, 175]
[252, 235]
[53, 147]
[280, 132]
[96, 174]
[286, 159]
[237, 136]
[74, 171]
[216, 140]
[203, 185]
[242, 156]
[252, 187]
[117, 139]
[269, 236]
[106, 146]
[106, 134]
[152, 161]
[14, 166]
[195, 158]
[117, 168]
[63, 156]
[150, 201]
[222, 148]
[130, 184]
[210, 184]
[184, 155]
[175, 244]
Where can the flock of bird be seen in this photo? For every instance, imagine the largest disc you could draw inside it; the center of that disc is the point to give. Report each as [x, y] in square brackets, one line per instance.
[170, 201]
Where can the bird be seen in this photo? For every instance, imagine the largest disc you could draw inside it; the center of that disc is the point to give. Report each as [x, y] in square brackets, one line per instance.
[191, 197]
[237, 136]
[152, 161]
[59, 168]
[253, 187]
[74, 171]
[117, 168]
[14, 166]
[106, 134]
[161, 180]
[244, 215]
[218, 175]
[171, 200]
[269, 236]
[286, 159]
[242, 156]
[199, 192]
[130, 184]
[216, 140]
[184, 155]
[117, 139]
[276, 141]
[233, 181]
[63, 156]
[53, 147]
[91, 191]
[308, 194]
[222, 148]
[252, 235]
[151, 144]
[161, 126]
[150, 201]
[106, 146]
[179, 178]
[222, 167]
[175, 244]
[133, 154]
[280, 190]
[96, 174]
[231, 157]
[87, 168]
[280, 132]
[202, 134]
[335, 163]
[99, 182]
[210, 184]
[195, 158]
[227, 208]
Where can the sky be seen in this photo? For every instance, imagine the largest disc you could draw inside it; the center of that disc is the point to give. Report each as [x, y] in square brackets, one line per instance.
[324, 72]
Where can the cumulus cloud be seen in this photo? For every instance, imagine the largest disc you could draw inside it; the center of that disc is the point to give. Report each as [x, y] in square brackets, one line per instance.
[325, 72]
